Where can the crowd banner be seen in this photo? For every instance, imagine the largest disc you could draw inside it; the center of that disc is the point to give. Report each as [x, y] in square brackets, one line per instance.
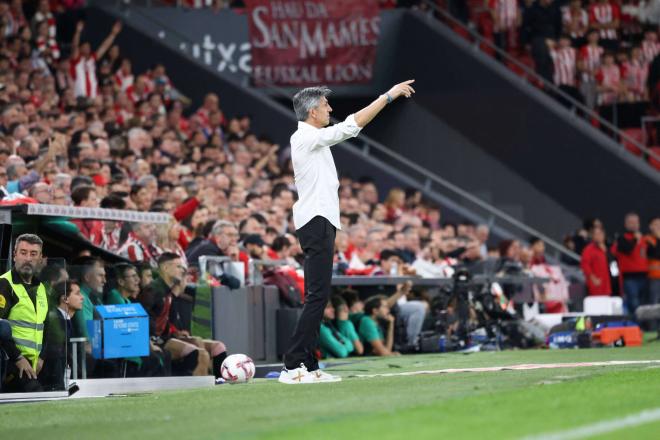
[313, 42]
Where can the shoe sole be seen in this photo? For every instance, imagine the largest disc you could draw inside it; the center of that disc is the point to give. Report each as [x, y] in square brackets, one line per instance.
[337, 379]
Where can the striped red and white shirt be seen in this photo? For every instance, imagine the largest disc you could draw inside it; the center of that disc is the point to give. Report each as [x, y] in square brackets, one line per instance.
[600, 13]
[110, 239]
[575, 22]
[634, 74]
[49, 44]
[650, 49]
[609, 76]
[123, 80]
[506, 14]
[137, 251]
[564, 62]
[52, 26]
[591, 56]
[83, 72]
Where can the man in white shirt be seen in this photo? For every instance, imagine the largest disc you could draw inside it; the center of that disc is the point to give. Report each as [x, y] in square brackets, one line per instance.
[316, 214]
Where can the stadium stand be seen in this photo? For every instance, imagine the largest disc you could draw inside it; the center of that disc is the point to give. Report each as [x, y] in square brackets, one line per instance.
[81, 128]
[600, 54]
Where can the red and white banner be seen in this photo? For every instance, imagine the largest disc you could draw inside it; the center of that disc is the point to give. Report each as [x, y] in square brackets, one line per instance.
[313, 42]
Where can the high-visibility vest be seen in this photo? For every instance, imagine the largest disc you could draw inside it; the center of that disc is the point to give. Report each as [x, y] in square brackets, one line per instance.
[27, 320]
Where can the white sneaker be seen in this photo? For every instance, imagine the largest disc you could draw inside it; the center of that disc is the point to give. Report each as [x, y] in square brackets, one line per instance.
[296, 376]
[321, 376]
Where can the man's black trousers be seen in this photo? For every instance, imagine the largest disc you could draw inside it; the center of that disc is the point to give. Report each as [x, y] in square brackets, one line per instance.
[317, 239]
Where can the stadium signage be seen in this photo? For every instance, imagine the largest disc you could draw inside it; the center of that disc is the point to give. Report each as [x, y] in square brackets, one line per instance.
[308, 42]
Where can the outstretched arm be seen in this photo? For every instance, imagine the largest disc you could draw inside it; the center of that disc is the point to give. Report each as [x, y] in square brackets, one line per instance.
[103, 48]
[364, 116]
[75, 43]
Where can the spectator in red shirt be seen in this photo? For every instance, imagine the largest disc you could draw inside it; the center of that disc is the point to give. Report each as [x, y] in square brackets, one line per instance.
[395, 202]
[653, 254]
[506, 20]
[575, 21]
[595, 265]
[608, 79]
[605, 16]
[630, 251]
[83, 61]
[85, 196]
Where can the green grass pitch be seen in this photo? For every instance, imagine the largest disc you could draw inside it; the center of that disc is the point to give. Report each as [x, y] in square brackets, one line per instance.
[484, 406]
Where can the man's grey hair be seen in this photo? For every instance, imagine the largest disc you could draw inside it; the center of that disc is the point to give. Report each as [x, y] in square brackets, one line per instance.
[61, 179]
[30, 239]
[307, 99]
[220, 225]
[12, 172]
[144, 180]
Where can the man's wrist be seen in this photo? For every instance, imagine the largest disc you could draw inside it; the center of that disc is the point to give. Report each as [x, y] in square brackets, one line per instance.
[388, 97]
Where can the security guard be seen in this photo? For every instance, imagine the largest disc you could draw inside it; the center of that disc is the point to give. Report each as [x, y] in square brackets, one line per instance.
[23, 303]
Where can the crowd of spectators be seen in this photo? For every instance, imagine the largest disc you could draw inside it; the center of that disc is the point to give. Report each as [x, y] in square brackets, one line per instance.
[626, 264]
[598, 51]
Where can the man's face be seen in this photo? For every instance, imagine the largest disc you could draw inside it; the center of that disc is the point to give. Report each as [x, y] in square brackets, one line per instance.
[321, 113]
[253, 226]
[227, 237]
[174, 269]
[255, 251]
[598, 235]
[42, 193]
[387, 265]
[75, 299]
[369, 193]
[399, 240]
[27, 258]
[538, 248]
[632, 223]
[130, 282]
[92, 201]
[285, 200]
[383, 310]
[146, 277]
[145, 232]
[95, 278]
[654, 227]
[329, 312]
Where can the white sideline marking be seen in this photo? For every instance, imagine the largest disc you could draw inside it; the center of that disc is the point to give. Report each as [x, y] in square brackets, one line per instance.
[646, 416]
[510, 367]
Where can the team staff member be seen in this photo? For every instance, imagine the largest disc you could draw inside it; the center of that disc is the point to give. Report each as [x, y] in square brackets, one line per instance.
[316, 214]
[193, 353]
[24, 304]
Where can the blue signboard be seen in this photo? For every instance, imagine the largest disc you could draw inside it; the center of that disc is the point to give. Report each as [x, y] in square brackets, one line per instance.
[122, 331]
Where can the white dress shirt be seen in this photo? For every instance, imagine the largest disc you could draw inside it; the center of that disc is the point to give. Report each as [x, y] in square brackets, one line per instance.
[315, 171]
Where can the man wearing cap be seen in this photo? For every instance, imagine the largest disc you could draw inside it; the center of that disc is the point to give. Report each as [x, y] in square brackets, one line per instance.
[24, 305]
[316, 214]
[254, 245]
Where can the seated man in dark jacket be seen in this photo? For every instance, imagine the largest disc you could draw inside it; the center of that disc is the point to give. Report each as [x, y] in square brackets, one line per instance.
[66, 299]
[221, 241]
[156, 299]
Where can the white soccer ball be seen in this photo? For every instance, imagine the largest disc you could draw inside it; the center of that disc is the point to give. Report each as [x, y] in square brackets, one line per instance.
[237, 368]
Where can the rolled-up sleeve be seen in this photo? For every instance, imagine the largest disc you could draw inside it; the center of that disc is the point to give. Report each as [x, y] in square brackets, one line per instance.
[329, 136]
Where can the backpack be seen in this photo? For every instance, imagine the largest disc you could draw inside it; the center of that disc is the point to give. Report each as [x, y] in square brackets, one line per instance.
[290, 293]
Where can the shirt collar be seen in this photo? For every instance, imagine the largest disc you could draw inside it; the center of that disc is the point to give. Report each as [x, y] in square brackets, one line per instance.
[305, 126]
[64, 313]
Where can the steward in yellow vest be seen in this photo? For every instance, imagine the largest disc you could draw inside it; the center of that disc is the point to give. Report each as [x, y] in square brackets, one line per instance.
[24, 305]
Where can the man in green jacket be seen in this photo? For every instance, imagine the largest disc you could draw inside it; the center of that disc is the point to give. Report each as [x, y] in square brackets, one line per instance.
[92, 281]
